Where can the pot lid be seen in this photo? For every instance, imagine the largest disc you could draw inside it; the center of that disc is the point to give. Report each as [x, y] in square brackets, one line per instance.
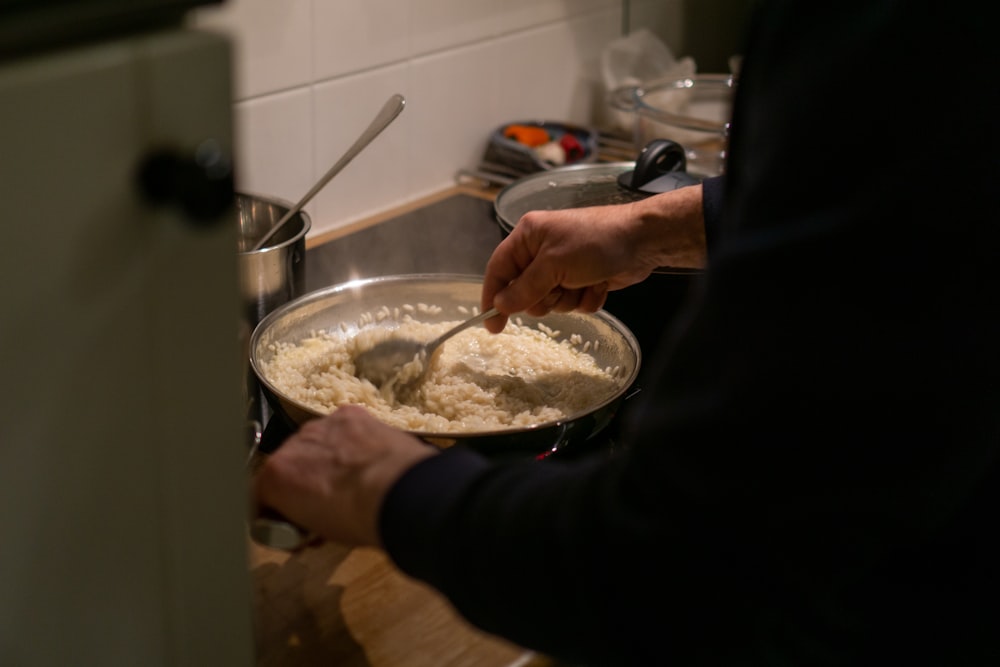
[660, 167]
[565, 187]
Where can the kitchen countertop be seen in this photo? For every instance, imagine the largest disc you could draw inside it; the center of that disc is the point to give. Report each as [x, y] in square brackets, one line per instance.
[332, 605]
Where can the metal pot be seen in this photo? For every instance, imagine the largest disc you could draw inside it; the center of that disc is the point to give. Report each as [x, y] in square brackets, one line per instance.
[269, 277]
[566, 187]
[338, 310]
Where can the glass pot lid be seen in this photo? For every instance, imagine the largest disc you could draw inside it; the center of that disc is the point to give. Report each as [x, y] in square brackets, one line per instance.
[660, 167]
[576, 186]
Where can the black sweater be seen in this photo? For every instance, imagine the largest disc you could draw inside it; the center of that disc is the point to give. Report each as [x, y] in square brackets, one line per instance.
[813, 478]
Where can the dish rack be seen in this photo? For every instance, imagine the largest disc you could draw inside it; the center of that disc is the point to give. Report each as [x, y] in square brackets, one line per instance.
[501, 164]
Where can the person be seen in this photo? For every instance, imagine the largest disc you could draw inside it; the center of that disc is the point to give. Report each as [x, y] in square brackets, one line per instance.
[811, 475]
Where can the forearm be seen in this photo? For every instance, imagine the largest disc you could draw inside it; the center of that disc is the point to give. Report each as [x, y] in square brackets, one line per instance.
[570, 258]
[670, 229]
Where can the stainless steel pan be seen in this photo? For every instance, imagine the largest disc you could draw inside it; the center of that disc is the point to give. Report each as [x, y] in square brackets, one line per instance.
[339, 308]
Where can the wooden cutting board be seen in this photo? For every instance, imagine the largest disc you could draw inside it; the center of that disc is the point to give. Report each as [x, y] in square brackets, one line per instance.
[331, 605]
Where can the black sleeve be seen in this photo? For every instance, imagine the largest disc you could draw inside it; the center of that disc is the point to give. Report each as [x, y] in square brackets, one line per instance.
[551, 555]
[712, 198]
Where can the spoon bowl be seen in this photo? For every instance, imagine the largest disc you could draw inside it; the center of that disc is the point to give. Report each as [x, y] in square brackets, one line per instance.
[406, 361]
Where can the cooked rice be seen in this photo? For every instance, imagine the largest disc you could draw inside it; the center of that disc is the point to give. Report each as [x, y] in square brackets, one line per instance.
[478, 382]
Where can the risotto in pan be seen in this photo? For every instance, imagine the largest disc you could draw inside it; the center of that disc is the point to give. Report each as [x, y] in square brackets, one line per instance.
[477, 382]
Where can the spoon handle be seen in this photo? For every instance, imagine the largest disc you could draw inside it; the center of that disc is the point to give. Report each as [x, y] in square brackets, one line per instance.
[472, 321]
[392, 108]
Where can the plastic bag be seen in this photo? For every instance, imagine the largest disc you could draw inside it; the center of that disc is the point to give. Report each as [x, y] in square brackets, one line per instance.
[640, 58]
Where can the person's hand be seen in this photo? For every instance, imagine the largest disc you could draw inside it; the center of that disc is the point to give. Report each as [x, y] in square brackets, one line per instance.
[570, 259]
[332, 475]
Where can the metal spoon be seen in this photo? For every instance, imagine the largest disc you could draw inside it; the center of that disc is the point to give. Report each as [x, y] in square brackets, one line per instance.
[393, 106]
[383, 362]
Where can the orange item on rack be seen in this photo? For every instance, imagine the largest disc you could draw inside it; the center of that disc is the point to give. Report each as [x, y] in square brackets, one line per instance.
[529, 135]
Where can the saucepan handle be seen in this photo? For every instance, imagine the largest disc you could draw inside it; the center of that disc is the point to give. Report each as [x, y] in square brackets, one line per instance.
[270, 529]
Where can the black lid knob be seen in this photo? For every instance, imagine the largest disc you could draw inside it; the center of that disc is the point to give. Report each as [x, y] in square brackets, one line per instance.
[660, 167]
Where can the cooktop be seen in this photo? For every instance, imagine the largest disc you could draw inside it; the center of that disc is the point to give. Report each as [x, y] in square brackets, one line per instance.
[453, 235]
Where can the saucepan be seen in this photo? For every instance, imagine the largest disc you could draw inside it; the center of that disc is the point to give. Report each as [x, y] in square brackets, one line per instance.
[345, 309]
[269, 276]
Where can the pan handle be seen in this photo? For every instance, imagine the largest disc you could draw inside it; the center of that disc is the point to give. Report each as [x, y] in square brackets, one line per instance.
[270, 529]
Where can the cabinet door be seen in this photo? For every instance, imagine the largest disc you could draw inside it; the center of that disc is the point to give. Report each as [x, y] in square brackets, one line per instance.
[121, 429]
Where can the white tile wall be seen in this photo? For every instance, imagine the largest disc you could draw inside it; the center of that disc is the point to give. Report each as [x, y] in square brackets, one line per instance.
[358, 35]
[274, 139]
[273, 48]
[310, 74]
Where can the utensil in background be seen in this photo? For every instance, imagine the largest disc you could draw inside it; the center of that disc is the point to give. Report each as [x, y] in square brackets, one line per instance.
[387, 358]
[392, 108]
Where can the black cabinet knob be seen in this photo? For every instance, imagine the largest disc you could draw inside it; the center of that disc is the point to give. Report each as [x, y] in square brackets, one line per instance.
[200, 184]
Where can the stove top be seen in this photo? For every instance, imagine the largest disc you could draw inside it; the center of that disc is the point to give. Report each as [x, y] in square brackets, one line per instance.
[454, 235]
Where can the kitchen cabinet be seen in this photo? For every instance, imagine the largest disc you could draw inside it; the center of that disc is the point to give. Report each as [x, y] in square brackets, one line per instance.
[122, 484]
